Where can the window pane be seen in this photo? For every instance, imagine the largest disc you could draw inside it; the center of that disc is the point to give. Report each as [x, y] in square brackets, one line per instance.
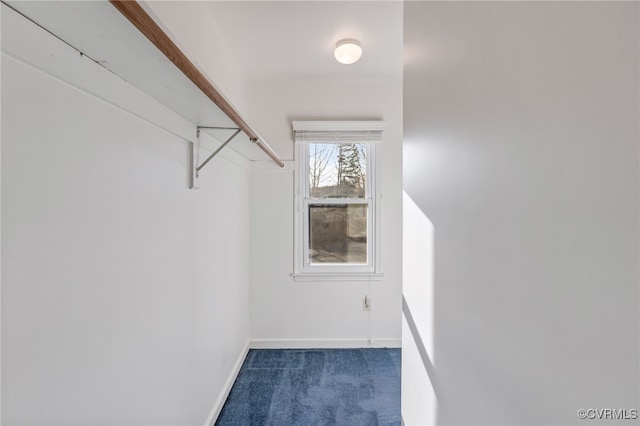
[338, 233]
[337, 170]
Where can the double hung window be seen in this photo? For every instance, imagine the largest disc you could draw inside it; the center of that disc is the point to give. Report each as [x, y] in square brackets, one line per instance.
[336, 199]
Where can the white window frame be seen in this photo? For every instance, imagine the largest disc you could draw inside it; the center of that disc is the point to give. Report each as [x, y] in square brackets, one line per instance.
[368, 133]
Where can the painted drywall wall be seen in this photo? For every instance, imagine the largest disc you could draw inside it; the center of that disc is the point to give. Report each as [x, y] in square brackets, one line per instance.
[521, 147]
[419, 406]
[124, 294]
[304, 313]
[284, 312]
[418, 399]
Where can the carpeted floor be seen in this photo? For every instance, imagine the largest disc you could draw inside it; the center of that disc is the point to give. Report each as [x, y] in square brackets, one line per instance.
[316, 387]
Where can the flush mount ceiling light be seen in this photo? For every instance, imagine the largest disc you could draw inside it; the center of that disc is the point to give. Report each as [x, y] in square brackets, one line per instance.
[348, 51]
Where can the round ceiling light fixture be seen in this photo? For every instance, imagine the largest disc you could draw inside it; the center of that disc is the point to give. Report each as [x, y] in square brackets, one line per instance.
[348, 51]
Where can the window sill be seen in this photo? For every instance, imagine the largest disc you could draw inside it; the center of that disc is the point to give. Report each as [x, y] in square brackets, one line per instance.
[338, 276]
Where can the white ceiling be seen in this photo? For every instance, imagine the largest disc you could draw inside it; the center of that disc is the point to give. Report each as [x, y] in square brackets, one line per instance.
[281, 39]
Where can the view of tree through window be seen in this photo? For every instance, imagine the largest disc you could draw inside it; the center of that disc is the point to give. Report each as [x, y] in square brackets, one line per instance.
[338, 231]
[337, 170]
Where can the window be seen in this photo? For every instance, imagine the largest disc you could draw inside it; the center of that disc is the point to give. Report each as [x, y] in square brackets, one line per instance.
[336, 199]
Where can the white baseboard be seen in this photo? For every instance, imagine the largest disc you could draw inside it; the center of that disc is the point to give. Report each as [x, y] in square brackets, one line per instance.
[224, 393]
[324, 343]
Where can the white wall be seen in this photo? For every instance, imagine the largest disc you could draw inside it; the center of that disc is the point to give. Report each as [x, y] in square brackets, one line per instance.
[521, 147]
[419, 404]
[284, 312]
[330, 313]
[124, 294]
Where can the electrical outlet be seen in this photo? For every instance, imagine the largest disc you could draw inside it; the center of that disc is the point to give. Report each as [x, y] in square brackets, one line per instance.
[366, 303]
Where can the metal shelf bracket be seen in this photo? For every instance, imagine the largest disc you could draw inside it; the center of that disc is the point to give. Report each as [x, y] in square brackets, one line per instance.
[195, 153]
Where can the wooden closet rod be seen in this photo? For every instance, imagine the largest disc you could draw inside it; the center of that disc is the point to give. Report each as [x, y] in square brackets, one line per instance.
[147, 26]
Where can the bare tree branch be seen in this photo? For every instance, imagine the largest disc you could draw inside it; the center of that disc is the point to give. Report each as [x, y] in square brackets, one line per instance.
[319, 158]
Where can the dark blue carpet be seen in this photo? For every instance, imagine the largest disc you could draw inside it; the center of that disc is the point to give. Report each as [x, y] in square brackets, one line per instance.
[316, 387]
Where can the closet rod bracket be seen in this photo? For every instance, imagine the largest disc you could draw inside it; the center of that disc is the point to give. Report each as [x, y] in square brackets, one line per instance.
[195, 152]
